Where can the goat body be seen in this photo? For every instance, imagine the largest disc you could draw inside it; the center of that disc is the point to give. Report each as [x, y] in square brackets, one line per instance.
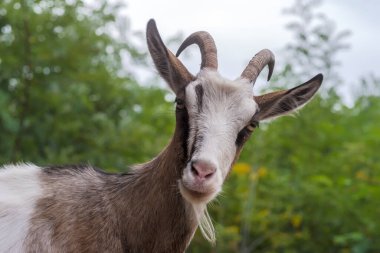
[82, 209]
[157, 206]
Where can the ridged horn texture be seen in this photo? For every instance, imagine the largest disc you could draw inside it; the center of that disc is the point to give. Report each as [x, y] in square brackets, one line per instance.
[256, 65]
[207, 46]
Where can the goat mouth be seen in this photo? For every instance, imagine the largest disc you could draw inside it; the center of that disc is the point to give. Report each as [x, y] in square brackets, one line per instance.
[196, 195]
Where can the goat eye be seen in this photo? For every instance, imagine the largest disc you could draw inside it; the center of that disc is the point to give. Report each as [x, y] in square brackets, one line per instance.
[180, 103]
[253, 124]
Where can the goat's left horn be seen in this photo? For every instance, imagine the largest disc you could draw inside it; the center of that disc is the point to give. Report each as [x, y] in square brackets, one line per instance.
[206, 45]
[256, 65]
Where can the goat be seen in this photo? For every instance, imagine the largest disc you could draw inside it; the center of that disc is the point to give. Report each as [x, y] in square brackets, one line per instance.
[157, 206]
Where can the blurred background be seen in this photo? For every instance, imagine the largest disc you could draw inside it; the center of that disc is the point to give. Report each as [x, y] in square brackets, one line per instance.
[77, 86]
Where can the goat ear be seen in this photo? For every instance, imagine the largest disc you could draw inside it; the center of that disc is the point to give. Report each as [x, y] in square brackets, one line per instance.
[167, 64]
[279, 103]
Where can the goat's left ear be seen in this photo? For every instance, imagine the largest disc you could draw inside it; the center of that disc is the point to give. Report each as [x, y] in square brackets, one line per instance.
[167, 64]
[279, 103]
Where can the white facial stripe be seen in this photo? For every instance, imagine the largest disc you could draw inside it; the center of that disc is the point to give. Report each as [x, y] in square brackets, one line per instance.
[226, 108]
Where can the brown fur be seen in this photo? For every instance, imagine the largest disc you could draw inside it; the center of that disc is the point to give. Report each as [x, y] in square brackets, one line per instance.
[86, 210]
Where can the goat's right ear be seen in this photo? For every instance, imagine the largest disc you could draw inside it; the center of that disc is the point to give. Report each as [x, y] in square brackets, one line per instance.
[282, 102]
[167, 64]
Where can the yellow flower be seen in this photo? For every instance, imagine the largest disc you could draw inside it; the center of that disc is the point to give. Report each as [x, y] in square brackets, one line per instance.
[296, 220]
[362, 175]
[262, 172]
[232, 229]
[242, 168]
[263, 213]
[253, 176]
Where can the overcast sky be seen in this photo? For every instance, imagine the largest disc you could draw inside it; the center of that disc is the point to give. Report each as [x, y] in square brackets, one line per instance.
[241, 28]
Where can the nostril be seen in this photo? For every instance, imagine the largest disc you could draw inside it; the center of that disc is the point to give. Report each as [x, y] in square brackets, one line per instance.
[209, 175]
[202, 169]
[194, 170]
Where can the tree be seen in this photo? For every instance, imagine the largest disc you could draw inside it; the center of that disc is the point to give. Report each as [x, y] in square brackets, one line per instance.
[64, 94]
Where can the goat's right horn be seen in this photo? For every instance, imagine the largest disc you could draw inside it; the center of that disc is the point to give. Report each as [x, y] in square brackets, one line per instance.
[256, 65]
[206, 45]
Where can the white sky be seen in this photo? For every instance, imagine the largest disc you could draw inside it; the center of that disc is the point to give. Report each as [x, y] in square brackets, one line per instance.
[241, 28]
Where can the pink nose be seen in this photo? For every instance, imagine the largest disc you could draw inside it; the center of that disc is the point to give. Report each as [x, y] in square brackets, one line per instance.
[202, 169]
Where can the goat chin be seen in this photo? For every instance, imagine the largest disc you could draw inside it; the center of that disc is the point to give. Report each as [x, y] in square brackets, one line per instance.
[197, 197]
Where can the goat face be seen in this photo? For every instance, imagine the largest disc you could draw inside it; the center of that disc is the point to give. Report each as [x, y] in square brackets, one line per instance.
[221, 114]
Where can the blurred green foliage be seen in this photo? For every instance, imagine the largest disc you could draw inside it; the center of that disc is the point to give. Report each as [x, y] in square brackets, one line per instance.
[304, 184]
[63, 94]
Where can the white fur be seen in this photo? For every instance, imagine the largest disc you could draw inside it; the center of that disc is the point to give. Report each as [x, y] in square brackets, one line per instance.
[227, 107]
[19, 190]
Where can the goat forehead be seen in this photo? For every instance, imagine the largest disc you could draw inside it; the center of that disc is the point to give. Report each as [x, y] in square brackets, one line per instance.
[210, 93]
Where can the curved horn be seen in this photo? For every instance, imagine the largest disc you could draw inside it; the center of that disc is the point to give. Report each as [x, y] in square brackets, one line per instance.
[206, 45]
[256, 65]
